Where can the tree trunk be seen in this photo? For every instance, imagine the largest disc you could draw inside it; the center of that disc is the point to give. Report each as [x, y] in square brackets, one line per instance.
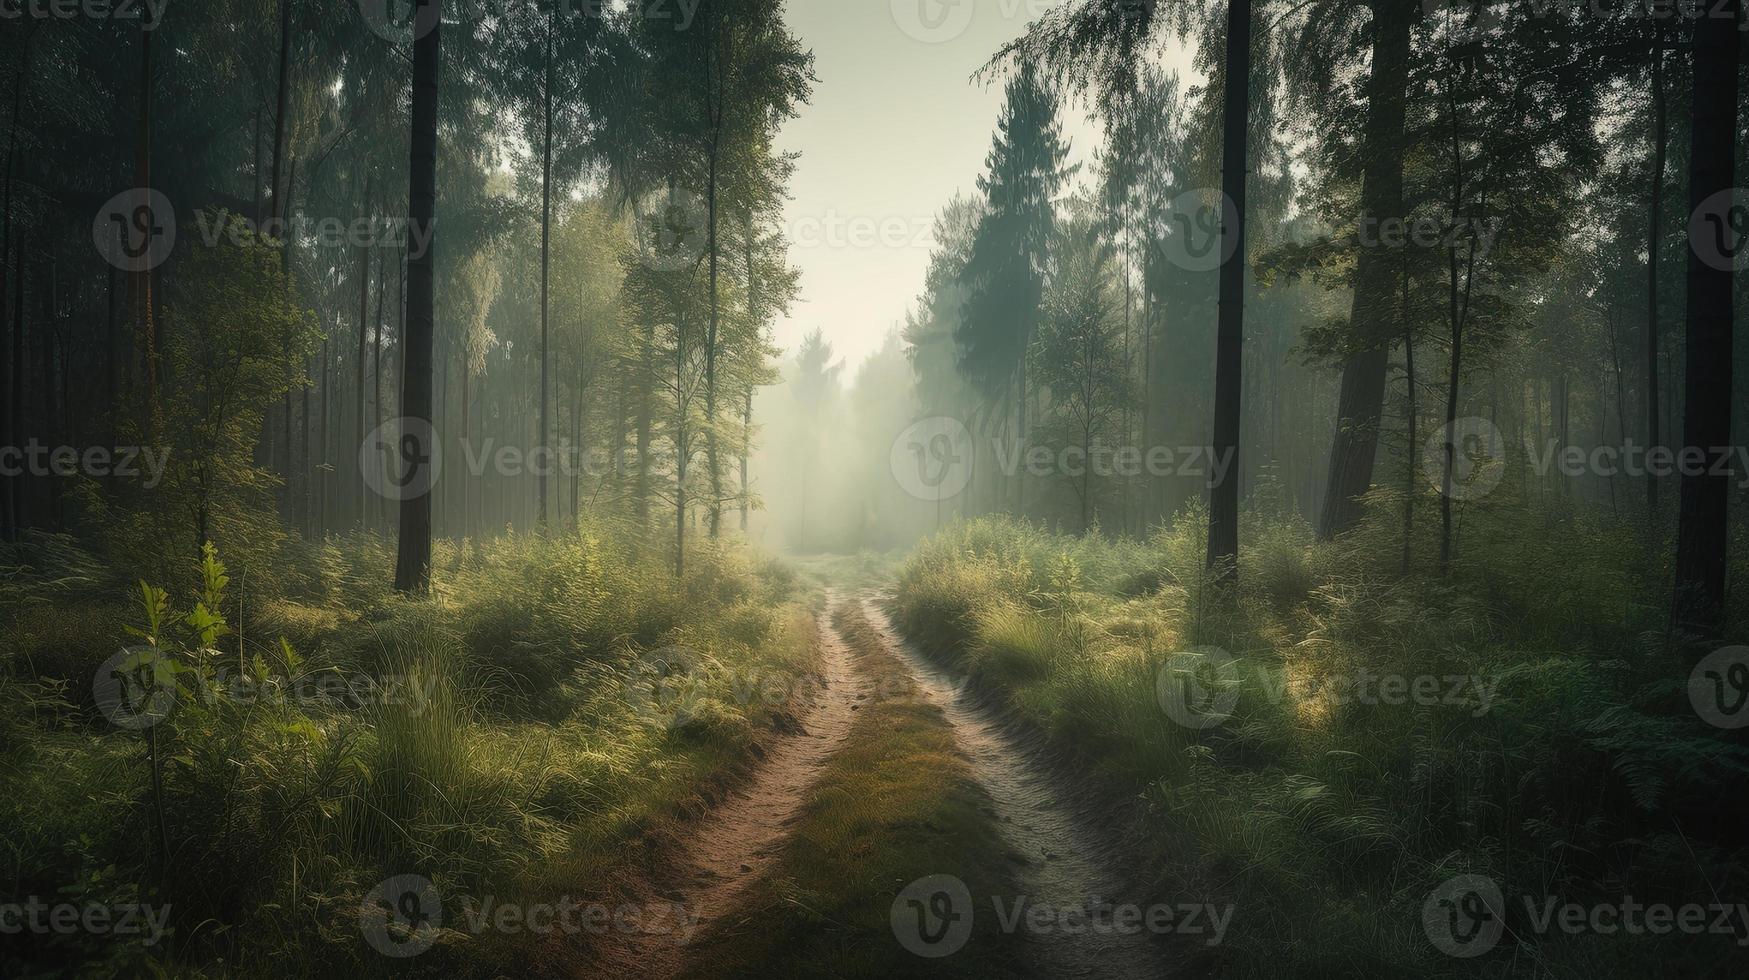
[49, 426]
[285, 253]
[111, 383]
[546, 222]
[578, 454]
[1563, 412]
[465, 478]
[143, 280]
[12, 375]
[1150, 496]
[304, 513]
[10, 378]
[1363, 373]
[641, 482]
[1702, 531]
[1410, 456]
[397, 380]
[746, 442]
[1223, 543]
[750, 240]
[617, 441]
[1453, 379]
[714, 512]
[413, 557]
[1458, 312]
[377, 382]
[278, 210]
[322, 467]
[1621, 415]
[20, 498]
[285, 439]
[1131, 512]
[446, 507]
[1660, 152]
[683, 446]
[362, 491]
[255, 166]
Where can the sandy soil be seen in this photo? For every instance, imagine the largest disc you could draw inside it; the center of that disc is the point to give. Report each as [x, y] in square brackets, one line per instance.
[1057, 858]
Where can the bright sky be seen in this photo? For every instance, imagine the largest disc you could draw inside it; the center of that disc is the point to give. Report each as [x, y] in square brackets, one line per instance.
[895, 128]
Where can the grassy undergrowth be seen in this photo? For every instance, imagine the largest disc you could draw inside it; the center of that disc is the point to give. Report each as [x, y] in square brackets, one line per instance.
[523, 735]
[897, 803]
[1330, 744]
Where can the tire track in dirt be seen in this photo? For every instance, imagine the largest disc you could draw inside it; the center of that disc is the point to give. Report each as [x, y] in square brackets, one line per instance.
[738, 841]
[1057, 858]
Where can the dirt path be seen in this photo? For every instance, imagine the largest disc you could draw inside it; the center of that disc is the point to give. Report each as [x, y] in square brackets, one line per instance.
[1057, 858]
[739, 840]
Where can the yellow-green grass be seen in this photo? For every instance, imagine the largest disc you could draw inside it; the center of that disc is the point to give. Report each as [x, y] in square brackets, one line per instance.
[1327, 820]
[527, 775]
[897, 803]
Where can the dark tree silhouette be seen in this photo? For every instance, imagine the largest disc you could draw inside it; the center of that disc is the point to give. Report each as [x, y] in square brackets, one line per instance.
[1223, 548]
[413, 558]
[1706, 425]
[1372, 315]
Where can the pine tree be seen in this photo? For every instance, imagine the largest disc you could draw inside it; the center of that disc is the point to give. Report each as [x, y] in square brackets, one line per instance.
[1005, 272]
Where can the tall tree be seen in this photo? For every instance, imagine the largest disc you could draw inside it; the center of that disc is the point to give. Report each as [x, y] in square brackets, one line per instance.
[1654, 242]
[144, 320]
[1223, 544]
[1004, 273]
[1717, 234]
[1079, 357]
[413, 556]
[751, 75]
[12, 400]
[282, 102]
[361, 495]
[1005, 270]
[1371, 320]
[546, 238]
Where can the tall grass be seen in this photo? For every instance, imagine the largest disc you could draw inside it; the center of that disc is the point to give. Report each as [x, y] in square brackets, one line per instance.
[482, 739]
[1327, 817]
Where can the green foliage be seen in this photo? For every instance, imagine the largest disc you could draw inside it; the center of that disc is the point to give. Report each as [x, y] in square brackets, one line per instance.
[1004, 270]
[1081, 355]
[483, 739]
[1554, 768]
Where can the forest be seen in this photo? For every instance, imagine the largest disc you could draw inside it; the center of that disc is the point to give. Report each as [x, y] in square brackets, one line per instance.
[874, 488]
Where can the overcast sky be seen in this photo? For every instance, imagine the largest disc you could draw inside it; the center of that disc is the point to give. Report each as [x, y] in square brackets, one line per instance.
[895, 128]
